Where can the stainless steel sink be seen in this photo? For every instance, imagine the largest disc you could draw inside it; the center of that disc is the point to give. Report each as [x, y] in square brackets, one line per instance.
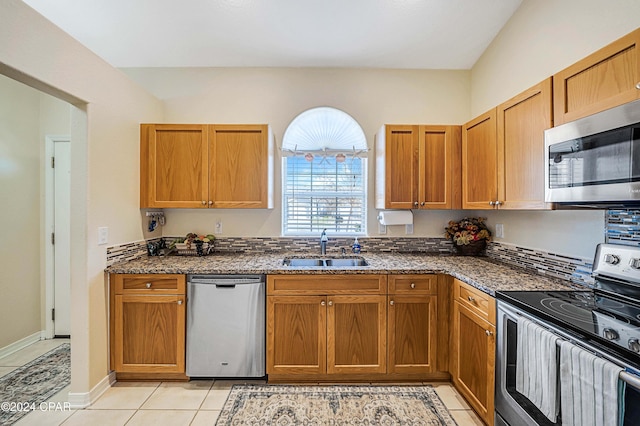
[330, 262]
[303, 262]
[346, 262]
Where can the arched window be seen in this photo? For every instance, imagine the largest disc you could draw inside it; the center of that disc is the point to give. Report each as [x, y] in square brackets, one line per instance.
[324, 180]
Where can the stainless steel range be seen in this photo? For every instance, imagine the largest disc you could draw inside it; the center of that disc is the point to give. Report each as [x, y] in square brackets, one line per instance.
[605, 321]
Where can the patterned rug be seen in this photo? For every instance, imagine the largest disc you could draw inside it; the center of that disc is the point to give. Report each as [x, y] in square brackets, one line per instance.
[35, 382]
[333, 405]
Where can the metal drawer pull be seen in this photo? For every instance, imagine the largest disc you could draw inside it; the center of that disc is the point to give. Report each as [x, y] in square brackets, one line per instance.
[638, 86]
[491, 203]
[391, 302]
[413, 285]
[148, 285]
[179, 302]
[204, 202]
[210, 203]
[488, 332]
[471, 299]
[322, 303]
[330, 303]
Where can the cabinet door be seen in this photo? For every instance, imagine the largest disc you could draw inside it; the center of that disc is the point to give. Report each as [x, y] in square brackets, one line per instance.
[400, 178]
[473, 360]
[479, 162]
[239, 166]
[439, 167]
[602, 80]
[412, 334]
[296, 334]
[173, 165]
[149, 333]
[356, 334]
[521, 124]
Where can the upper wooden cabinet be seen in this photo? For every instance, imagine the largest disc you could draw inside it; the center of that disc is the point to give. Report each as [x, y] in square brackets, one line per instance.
[503, 153]
[521, 122]
[604, 79]
[480, 162]
[418, 167]
[206, 166]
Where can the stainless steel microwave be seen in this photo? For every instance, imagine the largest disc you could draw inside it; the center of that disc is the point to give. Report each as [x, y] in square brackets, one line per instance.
[595, 161]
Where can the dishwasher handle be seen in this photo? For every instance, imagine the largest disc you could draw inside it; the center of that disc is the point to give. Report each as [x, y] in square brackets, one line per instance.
[225, 286]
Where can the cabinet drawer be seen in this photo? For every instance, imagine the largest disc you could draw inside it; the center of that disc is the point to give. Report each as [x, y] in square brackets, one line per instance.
[413, 284]
[149, 284]
[478, 302]
[319, 284]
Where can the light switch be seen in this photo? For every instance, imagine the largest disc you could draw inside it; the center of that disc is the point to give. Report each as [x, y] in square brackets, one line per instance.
[103, 235]
[218, 228]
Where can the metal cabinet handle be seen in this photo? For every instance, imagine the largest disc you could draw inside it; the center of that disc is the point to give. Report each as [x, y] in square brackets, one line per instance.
[638, 86]
[204, 202]
[391, 302]
[179, 302]
[488, 332]
[330, 303]
[498, 203]
[415, 203]
[210, 202]
[423, 203]
[413, 285]
[471, 299]
[322, 303]
[148, 285]
[491, 203]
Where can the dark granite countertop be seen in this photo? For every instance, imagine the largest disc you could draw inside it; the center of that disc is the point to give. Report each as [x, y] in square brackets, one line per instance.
[480, 272]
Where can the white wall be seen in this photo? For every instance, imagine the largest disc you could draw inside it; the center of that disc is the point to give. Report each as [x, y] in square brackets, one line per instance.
[277, 95]
[104, 163]
[542, 38]
[20, 224]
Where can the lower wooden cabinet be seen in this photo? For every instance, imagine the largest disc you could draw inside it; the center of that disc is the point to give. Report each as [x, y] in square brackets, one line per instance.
[412, 334]
[354, 330]
[317, 335]
[473, 349]
[148, 314]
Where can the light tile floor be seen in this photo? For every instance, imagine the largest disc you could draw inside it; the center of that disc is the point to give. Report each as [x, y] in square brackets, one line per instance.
[194, 403]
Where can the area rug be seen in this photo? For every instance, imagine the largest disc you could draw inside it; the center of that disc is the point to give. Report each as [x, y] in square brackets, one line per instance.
[34, 383]
[333, 405]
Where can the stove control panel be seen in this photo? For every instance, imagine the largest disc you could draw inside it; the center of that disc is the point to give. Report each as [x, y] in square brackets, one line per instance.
[617, 261]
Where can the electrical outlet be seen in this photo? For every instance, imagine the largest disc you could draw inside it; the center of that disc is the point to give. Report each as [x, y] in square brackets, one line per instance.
[408, 229]
[103, 235]
[499, 230]
[218, 228]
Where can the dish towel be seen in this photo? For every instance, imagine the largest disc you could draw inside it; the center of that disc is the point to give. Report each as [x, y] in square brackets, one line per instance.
[536, 367]
[589, 388]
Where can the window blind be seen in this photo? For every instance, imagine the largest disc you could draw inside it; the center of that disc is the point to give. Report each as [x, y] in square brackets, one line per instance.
[324, 193]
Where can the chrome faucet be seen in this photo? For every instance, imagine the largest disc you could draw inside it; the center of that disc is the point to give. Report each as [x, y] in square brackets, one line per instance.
[323, 242]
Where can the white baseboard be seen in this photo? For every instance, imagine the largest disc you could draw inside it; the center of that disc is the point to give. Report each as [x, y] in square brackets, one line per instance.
[21, 344]
[79, 400]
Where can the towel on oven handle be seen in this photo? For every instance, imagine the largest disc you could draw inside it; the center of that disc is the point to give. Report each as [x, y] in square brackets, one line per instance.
[537, 366]
[589, 388]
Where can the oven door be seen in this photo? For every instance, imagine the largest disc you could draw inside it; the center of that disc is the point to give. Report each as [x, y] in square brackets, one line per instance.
[512, 408]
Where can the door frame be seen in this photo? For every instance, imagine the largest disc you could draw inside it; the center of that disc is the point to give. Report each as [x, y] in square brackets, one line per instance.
[49, 262]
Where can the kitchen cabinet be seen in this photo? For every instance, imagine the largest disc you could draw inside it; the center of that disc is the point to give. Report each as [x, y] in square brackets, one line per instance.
[147, 326]
[318, 332]
[503, 153]
[412, 323]
[418, 167]
[206, 166]
[473, 348]
[607, 78]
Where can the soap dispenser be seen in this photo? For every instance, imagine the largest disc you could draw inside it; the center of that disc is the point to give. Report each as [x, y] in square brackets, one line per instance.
[355, 247]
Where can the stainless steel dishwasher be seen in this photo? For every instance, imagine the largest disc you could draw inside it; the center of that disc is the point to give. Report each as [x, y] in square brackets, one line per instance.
[225, 326]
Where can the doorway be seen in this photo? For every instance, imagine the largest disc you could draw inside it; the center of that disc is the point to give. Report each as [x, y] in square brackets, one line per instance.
[58, 236]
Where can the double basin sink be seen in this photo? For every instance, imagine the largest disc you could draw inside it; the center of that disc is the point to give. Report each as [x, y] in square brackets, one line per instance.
[328, 262]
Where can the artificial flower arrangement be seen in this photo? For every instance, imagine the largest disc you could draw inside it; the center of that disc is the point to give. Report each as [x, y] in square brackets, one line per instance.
[467, 231]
